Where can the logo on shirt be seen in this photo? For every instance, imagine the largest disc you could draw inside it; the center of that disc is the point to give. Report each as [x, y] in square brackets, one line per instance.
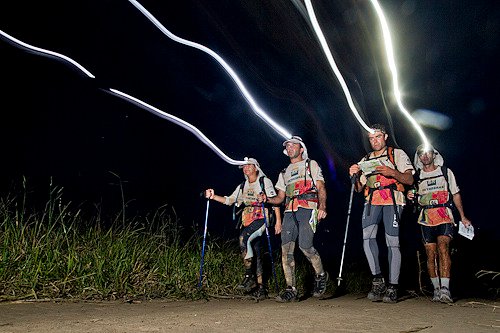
[432, 182]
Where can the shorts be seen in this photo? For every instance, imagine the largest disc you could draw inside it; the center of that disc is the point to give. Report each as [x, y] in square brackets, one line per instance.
[296, 225]
[430, 234]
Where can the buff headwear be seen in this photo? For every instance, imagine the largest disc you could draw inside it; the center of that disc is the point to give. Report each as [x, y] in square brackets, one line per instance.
[438, 158]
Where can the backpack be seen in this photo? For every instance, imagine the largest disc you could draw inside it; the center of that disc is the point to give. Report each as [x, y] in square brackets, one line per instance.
[444, 171]
[272, 215]
[390, 156]
[308, 172]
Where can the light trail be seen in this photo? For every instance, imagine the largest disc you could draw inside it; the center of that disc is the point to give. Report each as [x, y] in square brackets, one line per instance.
[333, 65]
[46, 52]
[392, 66]
[176, 120]
[244, 91]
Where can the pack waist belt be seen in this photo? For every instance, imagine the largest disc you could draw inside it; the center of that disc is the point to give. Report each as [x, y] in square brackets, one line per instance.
[392, 187]
[447, 204]
[312, 196]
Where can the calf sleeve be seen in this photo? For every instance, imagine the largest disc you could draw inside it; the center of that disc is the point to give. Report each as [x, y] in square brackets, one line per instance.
[288, 261]
[313, 256]
[371, 248]
[394, 258]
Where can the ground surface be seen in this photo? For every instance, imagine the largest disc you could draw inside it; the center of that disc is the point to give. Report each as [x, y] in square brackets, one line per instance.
[343, 314]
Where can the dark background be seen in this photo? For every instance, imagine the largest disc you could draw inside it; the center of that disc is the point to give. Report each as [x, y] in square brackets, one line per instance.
[57, 125]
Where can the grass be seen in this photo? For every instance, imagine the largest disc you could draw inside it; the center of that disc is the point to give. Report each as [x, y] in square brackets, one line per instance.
[58, 251]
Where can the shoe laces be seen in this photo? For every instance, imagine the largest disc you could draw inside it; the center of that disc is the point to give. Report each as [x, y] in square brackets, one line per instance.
[288, 294]
[320, 281]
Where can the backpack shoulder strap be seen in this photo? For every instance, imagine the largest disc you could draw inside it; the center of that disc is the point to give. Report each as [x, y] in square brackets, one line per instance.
[390, 155]
[283, 172]
[444, 170]
[262, 184]
[242, 185]
[416, 176]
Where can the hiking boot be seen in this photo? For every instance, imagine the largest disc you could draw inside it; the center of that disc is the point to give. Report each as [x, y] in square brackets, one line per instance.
[445, 295]
[248, 283]
[391, 295]
[261, 293]
[378, 289]
[288, 295]
[320, 284]
[437, 295]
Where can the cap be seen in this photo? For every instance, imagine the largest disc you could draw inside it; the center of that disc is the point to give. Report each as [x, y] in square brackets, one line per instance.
[296, 139]
[250, 160]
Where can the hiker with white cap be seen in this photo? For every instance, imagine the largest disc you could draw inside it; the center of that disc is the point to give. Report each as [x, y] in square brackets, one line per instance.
[252, 221]
[437, 194]
[383, 186]
[302, 186]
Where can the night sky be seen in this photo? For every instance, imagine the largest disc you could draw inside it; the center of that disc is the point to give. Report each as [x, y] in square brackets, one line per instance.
[58, 123]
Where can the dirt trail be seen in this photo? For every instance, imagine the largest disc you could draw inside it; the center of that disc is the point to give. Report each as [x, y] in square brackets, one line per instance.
[344, 314]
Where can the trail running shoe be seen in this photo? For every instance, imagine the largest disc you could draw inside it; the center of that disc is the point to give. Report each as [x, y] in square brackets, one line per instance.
[320, 284]
[378, 289]
[288, 295]
[248, 283]
[437, 295]
[445, 295]
[261, 293]
[391, 295]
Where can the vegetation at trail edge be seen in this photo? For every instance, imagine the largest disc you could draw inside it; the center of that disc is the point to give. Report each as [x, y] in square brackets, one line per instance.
[55, 251]
[58, 250]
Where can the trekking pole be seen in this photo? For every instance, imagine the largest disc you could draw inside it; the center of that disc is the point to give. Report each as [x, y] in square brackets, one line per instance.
[353, 183]
[270, 249]
[203, 246]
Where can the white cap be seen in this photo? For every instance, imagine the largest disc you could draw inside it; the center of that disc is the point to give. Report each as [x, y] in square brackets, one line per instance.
[250, 160]
[296, 139]
[438, 158]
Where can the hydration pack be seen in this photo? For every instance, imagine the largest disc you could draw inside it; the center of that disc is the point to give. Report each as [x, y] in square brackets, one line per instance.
[271, 221]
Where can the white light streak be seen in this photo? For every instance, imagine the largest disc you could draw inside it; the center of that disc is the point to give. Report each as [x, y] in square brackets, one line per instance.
[392, 66]
[253, 104]
[333, 65]
[47, 52]
[176, 120]
[180, 122]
